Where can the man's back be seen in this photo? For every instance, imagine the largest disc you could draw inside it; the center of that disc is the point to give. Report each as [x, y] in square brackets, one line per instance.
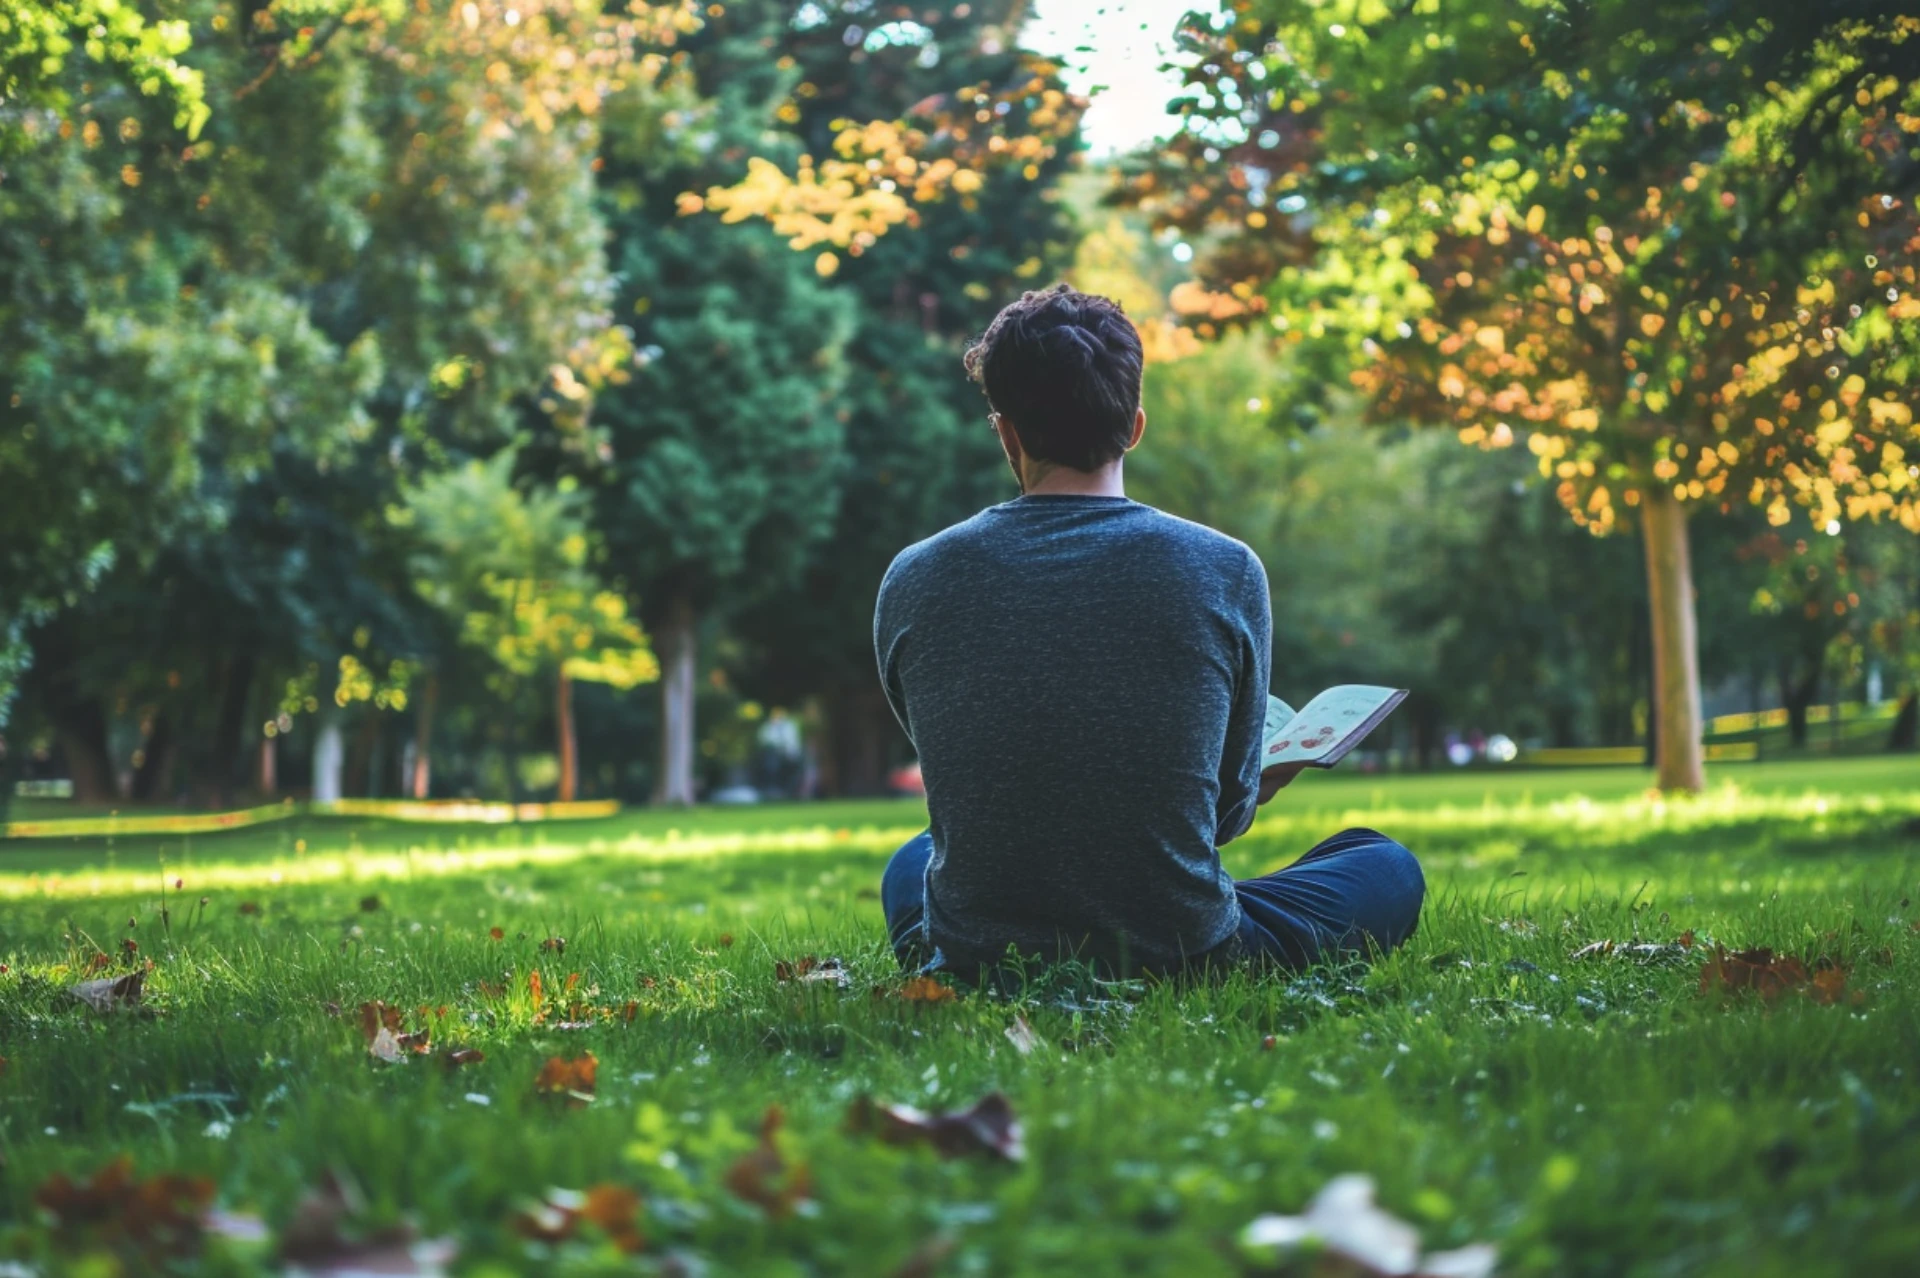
[1085, 680]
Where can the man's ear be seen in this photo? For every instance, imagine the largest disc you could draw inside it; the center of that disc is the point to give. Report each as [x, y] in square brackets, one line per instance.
[1139, 428]
[1009, 438]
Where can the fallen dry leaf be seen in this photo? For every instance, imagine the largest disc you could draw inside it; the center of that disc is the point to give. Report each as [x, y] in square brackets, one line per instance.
[1759, 970]
[612, 1209]
[925, 989]
[571, 1079]
[380, 1025]
[764, 1176]
[811, 970]
[1344, 1222]
[1021, 1035]
[318, 1242]
[496, 934]
[455, 1057]
[555, 945]
[986, 1127]
[249, 907]
[113, 993]
[160, 1216]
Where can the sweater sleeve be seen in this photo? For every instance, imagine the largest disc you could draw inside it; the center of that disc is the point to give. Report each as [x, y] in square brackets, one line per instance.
[1240, 758]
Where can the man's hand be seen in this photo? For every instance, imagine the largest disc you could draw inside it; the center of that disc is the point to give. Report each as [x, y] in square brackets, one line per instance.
[1275, 779]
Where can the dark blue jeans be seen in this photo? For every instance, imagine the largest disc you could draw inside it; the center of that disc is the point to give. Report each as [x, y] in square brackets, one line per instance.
[1358, 890]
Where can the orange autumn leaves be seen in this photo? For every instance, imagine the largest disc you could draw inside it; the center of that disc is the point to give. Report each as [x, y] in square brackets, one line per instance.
[1773, 977]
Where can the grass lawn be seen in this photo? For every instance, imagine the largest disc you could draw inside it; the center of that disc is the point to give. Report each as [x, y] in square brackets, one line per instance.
[1588, 1116]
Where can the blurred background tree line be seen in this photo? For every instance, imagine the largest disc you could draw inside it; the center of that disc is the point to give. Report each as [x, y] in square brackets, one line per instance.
[523, 399]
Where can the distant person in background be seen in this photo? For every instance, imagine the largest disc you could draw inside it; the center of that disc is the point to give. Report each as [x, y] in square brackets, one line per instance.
[1085, 680]
[777, 749]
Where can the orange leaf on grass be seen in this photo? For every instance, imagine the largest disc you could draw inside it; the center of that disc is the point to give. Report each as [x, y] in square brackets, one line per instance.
[555, 944]
[534, 989]
[568, 1079]
[612, 1209]
[925, 989]
[496, 934]
[986, 1127]
[764, 1176]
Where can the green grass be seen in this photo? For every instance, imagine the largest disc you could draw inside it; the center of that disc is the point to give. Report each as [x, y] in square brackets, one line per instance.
[1589, 1117]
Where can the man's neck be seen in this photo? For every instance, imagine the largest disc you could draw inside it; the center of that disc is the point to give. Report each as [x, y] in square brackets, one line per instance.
[1065, 481]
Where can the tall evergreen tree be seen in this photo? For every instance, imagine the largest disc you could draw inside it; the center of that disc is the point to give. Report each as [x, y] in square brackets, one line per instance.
[725, 444]
[919, 454]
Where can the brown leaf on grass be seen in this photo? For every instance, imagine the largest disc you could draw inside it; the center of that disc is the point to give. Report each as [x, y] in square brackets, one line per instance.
[369, 904]
[111, 994]
[98, 962]
[764, 1176]
[925, 989]
[569, 1079]
[496, 934]
[160, 1216]
[726, 940]
[555, 945]
[249, 907]
[1830, 985]
[631, 1010]
[454, 1058]
[986, 1127]
[810, 970]
[321, 1242]
[536, 992]
[1759, 970]
[612, 1209]
[380, 1025]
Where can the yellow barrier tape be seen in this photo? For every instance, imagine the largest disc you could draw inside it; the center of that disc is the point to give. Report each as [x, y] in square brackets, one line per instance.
[453, 811]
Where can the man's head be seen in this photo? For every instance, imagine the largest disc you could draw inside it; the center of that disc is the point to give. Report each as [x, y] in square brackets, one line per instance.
[1062, 368]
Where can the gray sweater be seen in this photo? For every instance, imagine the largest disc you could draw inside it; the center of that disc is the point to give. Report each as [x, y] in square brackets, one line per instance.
[1085, 680]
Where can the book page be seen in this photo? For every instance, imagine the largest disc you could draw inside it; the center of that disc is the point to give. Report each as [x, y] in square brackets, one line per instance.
[1327, 726]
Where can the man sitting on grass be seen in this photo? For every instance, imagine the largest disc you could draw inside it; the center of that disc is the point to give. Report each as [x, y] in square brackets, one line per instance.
[1085, 680]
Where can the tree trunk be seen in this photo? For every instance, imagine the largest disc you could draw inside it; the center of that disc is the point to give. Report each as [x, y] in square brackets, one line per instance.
[569, 746]
[327, 755]
[420, 784]
[225, 766]
[269, 779]
[1676, 649]
[1905, 733]
[156, 760]
[80, 726]
[677, 642]
[1797, 697]
[358, 779]
[859, 724]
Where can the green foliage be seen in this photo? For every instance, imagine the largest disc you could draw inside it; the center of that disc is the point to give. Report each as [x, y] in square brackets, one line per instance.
[1663, 244]
[511, 571]
[38, 39]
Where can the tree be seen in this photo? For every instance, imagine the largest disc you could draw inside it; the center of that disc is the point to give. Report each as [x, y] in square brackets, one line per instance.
[725, 446]
[511, 570]
[1668, 246]
[974, 134]
[203, 339]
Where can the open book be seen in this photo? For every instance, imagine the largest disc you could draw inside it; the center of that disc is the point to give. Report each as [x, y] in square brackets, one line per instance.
[1322, 732]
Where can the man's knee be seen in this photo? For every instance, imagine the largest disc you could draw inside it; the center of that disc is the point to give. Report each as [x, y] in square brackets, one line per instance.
[906, 870]
[1400, 872]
